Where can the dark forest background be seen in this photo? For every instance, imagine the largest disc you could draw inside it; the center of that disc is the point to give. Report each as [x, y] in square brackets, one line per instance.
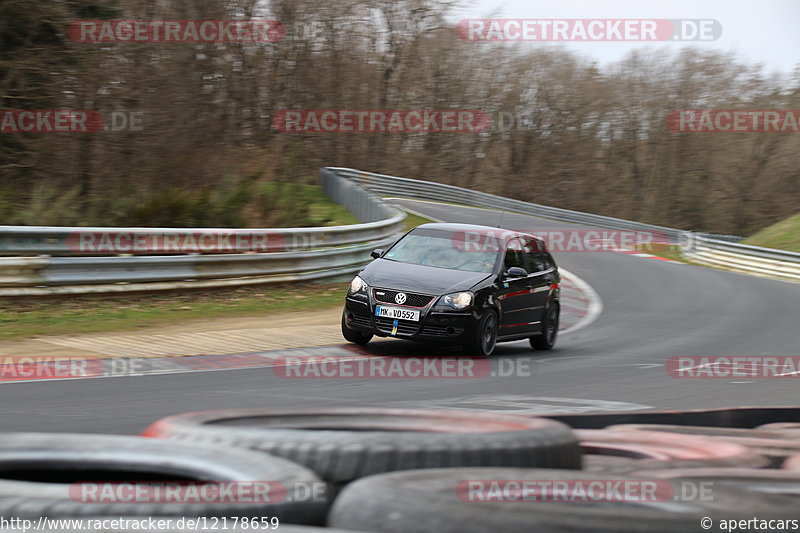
[595, 138]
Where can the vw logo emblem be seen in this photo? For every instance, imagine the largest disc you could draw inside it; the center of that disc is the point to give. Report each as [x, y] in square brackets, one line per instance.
[400, 298]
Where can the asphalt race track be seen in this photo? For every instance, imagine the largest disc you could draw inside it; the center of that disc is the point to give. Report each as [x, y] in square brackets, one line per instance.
[652, 310]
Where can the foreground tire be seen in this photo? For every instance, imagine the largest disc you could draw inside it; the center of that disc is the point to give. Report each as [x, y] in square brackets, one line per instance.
[436, 500]
[729, 417]
[628, 451]
[792, 463]
[790, 428]
[342, 444]
[547, 339]
[54, 475]
[774, 445]
[351, 335]
[486, 336]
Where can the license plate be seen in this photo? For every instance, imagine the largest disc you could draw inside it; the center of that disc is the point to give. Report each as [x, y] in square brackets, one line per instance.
[397, 312]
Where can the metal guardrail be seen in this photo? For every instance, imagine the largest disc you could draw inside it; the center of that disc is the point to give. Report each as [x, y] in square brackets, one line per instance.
[41, 276]
[62, 266]
[744, 258]
[720, 251]
[428, 190]
[56, 263]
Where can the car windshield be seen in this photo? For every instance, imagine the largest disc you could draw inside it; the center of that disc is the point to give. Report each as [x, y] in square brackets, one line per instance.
[440, 249]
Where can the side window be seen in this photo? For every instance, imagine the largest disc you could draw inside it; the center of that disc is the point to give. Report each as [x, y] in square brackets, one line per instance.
[537, 257]
[548, 259]
[514, 255]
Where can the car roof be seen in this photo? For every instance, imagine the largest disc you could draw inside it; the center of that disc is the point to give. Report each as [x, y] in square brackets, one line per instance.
[455, 227]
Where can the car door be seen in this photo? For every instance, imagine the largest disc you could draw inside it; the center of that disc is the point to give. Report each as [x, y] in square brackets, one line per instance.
[540, 277]
[515, 297]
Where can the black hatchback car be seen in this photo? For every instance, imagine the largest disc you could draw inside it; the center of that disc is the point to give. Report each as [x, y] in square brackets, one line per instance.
[457, 284]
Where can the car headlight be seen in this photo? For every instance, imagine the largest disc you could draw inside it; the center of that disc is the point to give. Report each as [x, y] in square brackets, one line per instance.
[357, 286]
[457, 300]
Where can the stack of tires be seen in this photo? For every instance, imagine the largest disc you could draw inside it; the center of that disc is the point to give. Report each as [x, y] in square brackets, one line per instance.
[399, 470]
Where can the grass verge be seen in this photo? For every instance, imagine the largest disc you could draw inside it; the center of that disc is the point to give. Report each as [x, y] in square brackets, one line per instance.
[412, 220]
[299, 205]
[93, 314]
[784, 235]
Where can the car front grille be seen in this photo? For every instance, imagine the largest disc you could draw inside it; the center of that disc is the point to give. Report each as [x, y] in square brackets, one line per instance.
[440, 331]
[412, 299]
[362, 320]
[435, 331]
[403, 326]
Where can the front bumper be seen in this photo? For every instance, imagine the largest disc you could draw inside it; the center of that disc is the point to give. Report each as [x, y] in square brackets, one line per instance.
[433, 326]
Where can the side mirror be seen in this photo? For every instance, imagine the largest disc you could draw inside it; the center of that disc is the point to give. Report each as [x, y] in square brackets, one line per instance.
[376, 253]
[516, 272]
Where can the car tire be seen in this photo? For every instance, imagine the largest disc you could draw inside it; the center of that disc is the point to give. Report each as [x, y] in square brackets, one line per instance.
[771, 444]
[436, 500]
[622, 452]
[485, 337]
[343, 444]
[547, 339]
[788, 428]
[39, 472]
[792, 463]
[351, 335]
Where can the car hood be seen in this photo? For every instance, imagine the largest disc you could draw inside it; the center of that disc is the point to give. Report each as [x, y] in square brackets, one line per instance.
[419, 278]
